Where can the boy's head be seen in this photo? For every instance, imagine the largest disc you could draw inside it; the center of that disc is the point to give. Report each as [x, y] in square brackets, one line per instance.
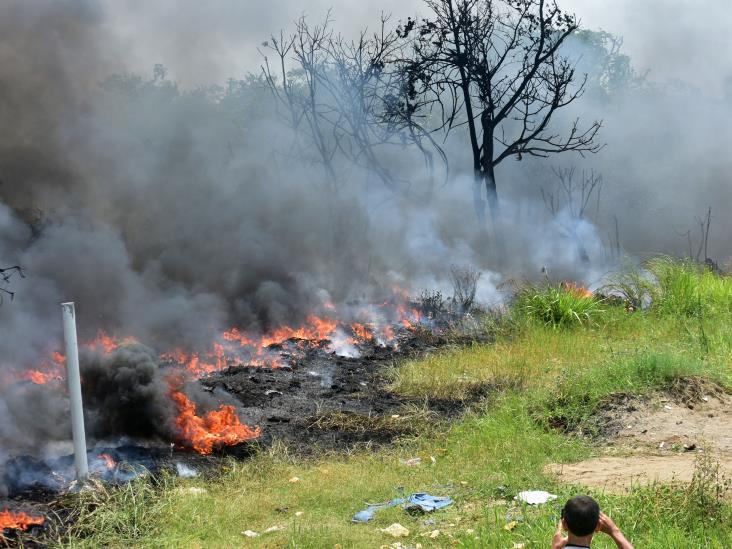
[581, 515]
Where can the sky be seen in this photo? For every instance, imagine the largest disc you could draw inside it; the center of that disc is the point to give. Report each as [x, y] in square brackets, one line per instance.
[201, 42]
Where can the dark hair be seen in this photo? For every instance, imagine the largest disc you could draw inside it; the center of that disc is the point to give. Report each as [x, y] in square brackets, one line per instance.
[582, 513]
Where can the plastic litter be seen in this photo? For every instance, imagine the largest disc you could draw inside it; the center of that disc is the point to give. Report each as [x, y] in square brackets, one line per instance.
[418, 501]
[368, 513]
[535, 497]
[426, 502]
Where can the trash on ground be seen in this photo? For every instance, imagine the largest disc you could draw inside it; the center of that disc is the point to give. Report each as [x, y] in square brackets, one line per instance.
[426, 502]
[396, 530]
[368, 513]
[535, 497]
[419, 501]
[293, 480]
[250, 534]
[510, 525]
[411, 462]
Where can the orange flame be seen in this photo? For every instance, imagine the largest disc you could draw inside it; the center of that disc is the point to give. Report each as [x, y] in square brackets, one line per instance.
[109, 343]
[213, 430]
[362, 332]
[10, 520]
[109, 462]
[576, 290]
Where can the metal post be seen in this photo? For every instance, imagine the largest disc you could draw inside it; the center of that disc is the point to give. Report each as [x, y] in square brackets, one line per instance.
[74, 380]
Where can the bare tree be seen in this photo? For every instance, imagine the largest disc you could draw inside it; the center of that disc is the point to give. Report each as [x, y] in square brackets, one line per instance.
[339, 96]
[574, 198]
[494, 67]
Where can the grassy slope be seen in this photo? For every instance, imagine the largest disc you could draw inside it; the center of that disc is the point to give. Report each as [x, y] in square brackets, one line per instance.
[539, 372]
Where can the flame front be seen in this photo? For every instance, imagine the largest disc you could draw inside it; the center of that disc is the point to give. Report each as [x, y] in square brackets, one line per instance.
[213, 430]
[10, 520]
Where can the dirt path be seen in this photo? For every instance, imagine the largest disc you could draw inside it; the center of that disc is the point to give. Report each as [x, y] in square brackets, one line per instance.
[656, 439]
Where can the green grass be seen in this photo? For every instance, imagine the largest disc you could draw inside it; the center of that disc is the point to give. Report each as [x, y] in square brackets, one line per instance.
[539, 374]
[687, 289]
[557, 306]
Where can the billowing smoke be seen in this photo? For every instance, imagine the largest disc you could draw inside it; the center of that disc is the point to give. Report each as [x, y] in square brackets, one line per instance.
[171, 213]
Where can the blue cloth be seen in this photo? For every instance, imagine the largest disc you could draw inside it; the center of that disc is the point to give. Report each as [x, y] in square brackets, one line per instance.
[427, 502]
[368, 513]
[418, 500]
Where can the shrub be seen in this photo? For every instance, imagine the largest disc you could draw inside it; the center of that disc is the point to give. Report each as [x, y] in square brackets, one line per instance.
[558, 306]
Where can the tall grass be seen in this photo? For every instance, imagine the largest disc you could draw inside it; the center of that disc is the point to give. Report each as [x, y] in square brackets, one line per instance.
[557, 306]
[684, 288]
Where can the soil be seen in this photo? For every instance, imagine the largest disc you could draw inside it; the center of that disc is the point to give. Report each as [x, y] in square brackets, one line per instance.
[657, 437]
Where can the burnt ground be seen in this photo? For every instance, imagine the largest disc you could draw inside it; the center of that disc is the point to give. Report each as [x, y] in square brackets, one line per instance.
[324, 401]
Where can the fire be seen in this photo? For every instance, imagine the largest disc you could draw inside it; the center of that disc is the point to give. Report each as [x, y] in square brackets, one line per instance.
[108, 460]
[576, 290]
[362, 332]
[213, 430]
[10, 520]
[108, 343]
[48, 370]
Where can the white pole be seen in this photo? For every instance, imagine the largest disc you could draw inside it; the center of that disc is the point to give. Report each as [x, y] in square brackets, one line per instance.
[74, 380]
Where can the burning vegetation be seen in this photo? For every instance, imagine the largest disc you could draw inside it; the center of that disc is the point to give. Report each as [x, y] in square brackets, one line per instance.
[17, 520]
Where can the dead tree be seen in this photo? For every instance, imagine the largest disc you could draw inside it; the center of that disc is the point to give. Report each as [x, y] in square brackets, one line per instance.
[573, 198]
[339, 96]
[494, 67]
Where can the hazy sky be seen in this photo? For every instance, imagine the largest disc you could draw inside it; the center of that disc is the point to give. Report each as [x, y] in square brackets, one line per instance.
[207, 41]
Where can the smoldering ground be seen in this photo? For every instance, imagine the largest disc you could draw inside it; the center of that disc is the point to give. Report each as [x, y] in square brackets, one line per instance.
[170, 214]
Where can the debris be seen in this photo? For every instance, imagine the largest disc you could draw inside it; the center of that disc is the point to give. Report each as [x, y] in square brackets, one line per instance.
[660, 446]
[250, 534]
[419, 501]
[396, 530]
[395, 416]
[299, 513]
[269, 392]
[535, 497]
[426, 502]
[434, 534]
[368, 513]
[705, 398]
[510, 525]
[277, 528]
[185, 471]
[293, 480]
[411, 462]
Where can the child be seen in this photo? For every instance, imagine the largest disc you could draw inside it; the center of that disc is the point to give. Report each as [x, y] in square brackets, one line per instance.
[581, 518]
